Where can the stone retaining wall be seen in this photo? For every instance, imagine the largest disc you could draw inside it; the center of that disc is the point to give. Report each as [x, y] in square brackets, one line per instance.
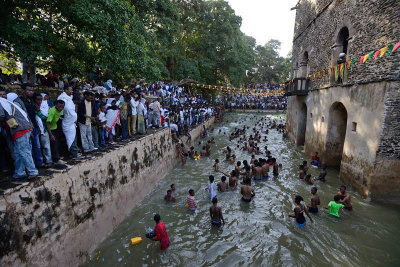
[61, 219]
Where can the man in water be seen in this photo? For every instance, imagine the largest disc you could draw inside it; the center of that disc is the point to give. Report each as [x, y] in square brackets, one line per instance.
[216, 214]
[169, 196]
[345, 198]
[161, 233]
[308, 179]
[323, 173]
[223, 185]
[216, 164]
[247, 191]
[275, 167]
[265, 169]
[313, 206]
[203, 152]
[301, 172]
[257, 170]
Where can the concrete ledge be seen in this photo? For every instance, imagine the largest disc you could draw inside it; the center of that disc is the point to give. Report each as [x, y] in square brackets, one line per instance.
[256, 111]
[61, 219]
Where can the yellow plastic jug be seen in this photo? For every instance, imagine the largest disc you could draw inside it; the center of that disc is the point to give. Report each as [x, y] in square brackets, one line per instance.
[136, 240]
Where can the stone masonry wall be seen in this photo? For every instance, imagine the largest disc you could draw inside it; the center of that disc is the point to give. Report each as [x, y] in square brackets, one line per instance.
[372, 25]
[60, 219]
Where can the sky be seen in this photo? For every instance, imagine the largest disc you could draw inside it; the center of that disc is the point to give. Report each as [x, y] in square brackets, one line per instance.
[267, 19]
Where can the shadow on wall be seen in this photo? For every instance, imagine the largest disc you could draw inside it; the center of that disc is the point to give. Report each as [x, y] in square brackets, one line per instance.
[301, 125]
[336, 134]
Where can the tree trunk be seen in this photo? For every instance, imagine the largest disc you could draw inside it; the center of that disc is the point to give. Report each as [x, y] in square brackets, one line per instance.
[24, 70]
[33, 73]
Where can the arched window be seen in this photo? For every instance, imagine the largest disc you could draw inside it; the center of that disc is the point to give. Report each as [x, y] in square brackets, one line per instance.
[305, 58]
[343, 37]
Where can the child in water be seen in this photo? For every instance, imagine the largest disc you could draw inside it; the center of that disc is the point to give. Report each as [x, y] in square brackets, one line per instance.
[169, 196]
[216, 164]
[335, 206]
[196, 156]
[191, 201]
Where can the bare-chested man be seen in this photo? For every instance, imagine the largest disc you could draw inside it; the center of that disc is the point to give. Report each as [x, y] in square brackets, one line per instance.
[247, 191]
[265, 169]
[275, 167]
[308, 179]
[232, 159]
[250, 149]
[216, 164]
[323, 173]
[233, 182]
[257, 170]
[245, 146]
[203, 152]
[169, 196]
[345, 198]
[216, 214]
[223, 185]
[301, 173]
[313, 206]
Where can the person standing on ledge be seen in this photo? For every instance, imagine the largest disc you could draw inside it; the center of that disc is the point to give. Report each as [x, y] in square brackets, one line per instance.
[161, 233]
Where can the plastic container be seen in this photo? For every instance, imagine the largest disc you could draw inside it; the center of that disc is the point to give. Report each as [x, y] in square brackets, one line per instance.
[136, 240]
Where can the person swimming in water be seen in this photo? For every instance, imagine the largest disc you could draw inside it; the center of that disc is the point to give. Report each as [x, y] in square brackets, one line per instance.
[216, 165]
[247, 191]
[334, 206]
[345, 198]
[308, 179]
[323, 173]
[233, 182]
[217, 219]
[169, 196]
[301, 172]
[223, 185]
[299, 211]
[313, 206]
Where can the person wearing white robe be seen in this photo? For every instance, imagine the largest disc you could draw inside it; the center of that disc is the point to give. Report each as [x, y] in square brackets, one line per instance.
[69, 121]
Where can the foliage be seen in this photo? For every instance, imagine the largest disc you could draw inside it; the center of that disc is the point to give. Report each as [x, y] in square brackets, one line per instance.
[150, 39]
[270, 67]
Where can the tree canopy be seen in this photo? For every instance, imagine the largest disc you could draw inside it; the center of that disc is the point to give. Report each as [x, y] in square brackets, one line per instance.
[149, 39]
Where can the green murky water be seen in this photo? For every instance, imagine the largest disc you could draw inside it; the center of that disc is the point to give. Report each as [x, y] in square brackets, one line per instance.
[259, 233]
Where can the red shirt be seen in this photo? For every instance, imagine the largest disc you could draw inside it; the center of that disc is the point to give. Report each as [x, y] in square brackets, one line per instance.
[161, 235]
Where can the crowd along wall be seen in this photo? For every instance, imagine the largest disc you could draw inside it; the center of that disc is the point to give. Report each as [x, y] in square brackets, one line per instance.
[61, 219]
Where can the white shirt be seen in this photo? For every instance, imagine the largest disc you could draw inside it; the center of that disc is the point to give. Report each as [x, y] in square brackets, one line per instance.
[102, 117]
[211, 189]
[174, 127]
[134, 105]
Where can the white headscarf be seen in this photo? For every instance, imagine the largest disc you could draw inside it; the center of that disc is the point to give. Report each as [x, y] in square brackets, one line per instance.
[44, 107]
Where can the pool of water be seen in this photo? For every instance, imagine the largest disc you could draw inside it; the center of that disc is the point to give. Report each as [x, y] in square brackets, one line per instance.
[256, 233]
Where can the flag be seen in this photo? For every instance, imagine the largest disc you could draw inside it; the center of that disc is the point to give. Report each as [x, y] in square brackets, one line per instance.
[366, 58]
[383, 51]
[390, 48]
[396, 46]
[361, 59]
[376, 54]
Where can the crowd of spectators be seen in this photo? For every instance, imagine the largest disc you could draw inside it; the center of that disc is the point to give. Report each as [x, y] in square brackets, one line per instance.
[258, 102]
[38, 131]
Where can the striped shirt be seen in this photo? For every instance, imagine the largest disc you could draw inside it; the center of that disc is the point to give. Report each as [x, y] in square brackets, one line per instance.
[191, 202]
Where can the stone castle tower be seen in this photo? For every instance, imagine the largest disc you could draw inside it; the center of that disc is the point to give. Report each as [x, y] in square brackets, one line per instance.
[350, 116]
